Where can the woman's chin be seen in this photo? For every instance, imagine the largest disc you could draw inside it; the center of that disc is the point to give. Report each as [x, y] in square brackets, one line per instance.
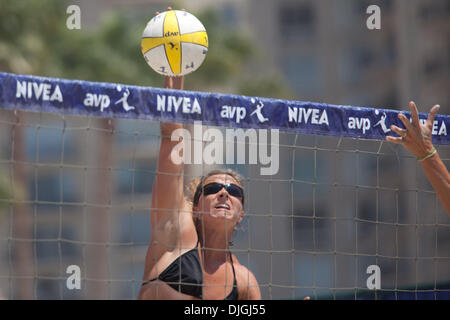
[222, 213]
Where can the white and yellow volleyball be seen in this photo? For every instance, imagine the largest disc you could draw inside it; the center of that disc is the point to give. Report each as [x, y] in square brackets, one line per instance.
[174, 43]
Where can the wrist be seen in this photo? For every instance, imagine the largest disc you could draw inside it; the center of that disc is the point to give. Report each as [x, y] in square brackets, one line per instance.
[428, 155]
[424, 150]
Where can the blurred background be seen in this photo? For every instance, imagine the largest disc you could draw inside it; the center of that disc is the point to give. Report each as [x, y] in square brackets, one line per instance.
[336, 206]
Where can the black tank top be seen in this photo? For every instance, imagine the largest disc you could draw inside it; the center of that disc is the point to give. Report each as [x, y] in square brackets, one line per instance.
[185, 275]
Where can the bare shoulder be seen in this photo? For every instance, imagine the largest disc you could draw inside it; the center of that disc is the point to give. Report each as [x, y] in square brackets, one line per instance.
[247, 284]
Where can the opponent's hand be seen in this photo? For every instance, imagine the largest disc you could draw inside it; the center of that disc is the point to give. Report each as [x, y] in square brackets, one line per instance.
[416, 138]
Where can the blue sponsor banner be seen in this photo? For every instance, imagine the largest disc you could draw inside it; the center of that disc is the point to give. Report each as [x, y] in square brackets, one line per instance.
[83, 98]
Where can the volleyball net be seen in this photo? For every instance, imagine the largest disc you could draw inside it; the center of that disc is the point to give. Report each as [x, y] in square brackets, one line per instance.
[329, 203]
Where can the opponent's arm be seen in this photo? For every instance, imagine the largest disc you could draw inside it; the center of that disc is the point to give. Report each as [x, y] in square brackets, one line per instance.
[439, 178]
[416, 138]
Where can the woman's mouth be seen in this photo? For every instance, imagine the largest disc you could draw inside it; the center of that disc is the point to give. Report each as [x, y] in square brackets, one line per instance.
[222, 206]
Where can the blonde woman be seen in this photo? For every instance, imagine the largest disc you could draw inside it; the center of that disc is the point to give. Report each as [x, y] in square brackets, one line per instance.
[189, 255]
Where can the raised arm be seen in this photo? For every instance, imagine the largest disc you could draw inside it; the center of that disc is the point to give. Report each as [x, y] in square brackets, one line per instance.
[416, 138]
[168, 201]
[172, 226]
[167, 192]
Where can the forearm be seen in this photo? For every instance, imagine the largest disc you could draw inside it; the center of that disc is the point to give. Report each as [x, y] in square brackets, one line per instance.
[439, 178]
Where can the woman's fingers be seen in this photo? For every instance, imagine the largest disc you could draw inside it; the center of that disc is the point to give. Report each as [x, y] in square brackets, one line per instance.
[397, 140]
[414, 114]
[168, 82]
[432, 115]
[405, 121]
[401, 132]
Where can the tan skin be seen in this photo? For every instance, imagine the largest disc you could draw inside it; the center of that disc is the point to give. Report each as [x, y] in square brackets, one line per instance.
[416, 138]
[174, 231]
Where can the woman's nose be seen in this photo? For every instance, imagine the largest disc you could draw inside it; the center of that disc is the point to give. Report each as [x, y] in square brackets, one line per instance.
[223, 192]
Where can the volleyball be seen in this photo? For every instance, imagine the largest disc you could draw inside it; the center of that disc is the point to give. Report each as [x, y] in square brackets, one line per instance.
[174, 43]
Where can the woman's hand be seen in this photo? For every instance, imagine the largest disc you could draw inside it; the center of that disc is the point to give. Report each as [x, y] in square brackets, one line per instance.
[416, 138]
[174, 82]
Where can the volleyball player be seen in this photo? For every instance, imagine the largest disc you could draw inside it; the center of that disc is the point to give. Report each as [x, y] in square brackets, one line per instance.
[189, 255]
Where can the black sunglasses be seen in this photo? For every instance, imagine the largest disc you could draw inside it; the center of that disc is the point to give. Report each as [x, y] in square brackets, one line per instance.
[214, 187]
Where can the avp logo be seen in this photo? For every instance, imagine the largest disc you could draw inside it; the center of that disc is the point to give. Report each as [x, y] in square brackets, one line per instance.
[238, 113]
[382, 122]
[438, 129]
[355, 123]
[364, 124]
[258, 111]
[102, 101]
[124, 99]
[234, 113]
